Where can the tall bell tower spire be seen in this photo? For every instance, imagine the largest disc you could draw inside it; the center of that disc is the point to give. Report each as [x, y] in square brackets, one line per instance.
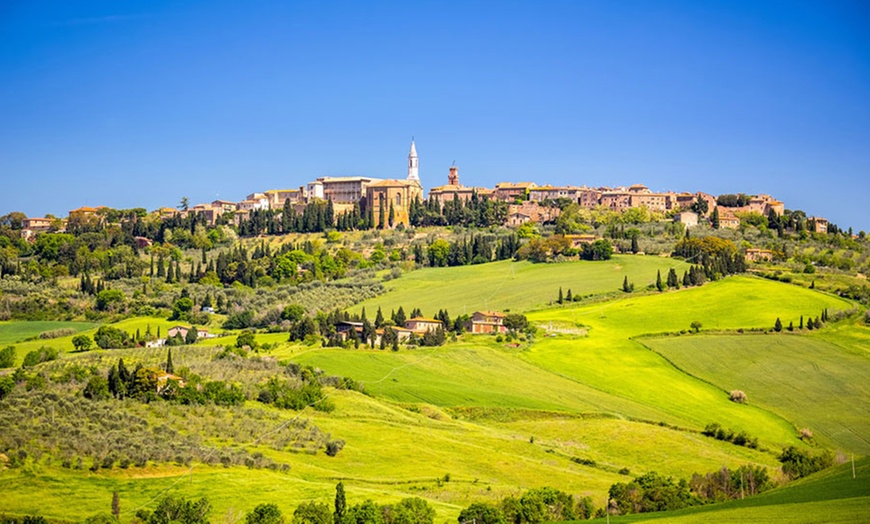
[413, 173]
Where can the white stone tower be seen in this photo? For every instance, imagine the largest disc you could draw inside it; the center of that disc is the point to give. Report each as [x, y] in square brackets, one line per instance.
[413, 173]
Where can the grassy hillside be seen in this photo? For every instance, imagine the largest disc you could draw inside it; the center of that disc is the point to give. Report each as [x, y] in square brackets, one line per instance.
[829, 496]
[808, 380]
[11, 332]
[569, 410]
[515, 286]
[606, 359]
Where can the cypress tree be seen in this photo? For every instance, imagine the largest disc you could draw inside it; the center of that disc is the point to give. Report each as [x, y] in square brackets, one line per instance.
[560, 299]
[801, 325]
[659, 285]
[340, 504]
[777, 326]
[116, 505]
[169, 367]
[379, 318]
[568, 296]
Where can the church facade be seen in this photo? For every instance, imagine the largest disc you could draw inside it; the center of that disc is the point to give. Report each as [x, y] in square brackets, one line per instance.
[390, 200]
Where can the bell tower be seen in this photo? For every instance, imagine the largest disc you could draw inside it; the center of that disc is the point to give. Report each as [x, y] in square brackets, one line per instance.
[413, 173]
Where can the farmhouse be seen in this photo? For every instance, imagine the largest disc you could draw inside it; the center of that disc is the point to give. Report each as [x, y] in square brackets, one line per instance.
[688, 218]
[727, 218]
[487, 322]
[758, 255]
[200, 332]
[422, 325]
[166, 379]
[578, 240]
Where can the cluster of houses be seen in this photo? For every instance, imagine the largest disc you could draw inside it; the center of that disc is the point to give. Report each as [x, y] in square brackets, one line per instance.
[528, 202]
[174, 331]
[481, 322]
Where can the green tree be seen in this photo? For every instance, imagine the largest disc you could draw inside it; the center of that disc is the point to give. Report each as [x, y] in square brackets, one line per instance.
[181, 309]
[482, 513]
[97, 388]
[696, 326]
[777, 326]
[413, 511]
[714, 218]
[169, 367]
[366, 513]
[110, 299]
[293, 313]
[246, 338]
[312, 513]
[700, 206]
[7, 357]
[340, 504]
[177, 510]
[560, 299]
[7, 384]
[191, 335]
[265, 514]
[116, 505]
[108, 337]
[659, 284]
[184, 204]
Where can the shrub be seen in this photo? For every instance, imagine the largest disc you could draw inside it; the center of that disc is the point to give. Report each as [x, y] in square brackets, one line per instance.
[334, 446]
[265, 514]
[805, 434]
[696, 326]
[738, 396]
[82, 342]
[38, 356]
[313, 513]
[797, 463]
[108, 337]
[7, 357]
[57, 333]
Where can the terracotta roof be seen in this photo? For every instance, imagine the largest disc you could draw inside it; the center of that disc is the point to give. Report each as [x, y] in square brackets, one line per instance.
[392, 183]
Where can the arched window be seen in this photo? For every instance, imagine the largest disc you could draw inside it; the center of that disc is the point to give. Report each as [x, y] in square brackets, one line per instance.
[399, 200]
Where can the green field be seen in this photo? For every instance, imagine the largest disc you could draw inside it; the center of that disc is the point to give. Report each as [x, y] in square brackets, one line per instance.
[64, 344]
[807, 380]
[11, 332]
[608, 360]
[515, 286]
[569, 409]
[829, 496]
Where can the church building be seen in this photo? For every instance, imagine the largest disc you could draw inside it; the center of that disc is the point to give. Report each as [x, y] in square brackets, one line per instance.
[393, 198]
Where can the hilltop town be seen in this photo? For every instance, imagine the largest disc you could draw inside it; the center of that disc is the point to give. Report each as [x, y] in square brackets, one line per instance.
[361, 202]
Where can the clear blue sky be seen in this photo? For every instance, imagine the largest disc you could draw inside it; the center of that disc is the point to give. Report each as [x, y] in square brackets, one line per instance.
[136, 104]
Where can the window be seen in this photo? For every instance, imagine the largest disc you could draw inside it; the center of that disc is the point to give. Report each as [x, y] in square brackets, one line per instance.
[399, 200]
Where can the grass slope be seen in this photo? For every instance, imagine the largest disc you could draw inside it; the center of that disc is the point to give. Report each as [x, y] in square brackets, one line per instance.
[808, 380]
[515, 286]
[606, 359]
[11, 332]
[829, 496]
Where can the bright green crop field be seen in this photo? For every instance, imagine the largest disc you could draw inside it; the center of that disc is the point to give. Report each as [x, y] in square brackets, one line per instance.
[514, 286]
[11, 332]
[584, 399]
[807, 380]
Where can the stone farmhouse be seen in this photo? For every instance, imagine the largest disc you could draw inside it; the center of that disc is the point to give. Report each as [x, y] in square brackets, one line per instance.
[487, 322]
